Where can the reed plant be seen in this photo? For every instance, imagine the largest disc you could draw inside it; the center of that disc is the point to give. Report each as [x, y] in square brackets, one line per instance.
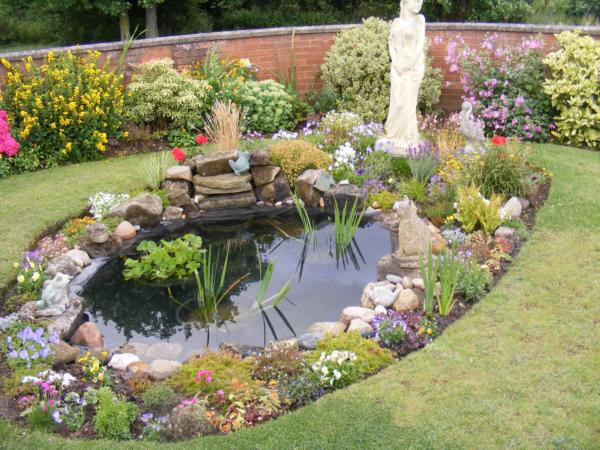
[429, 275]
[346, 223]
[224, 125]
[449, 270]
[307, 223]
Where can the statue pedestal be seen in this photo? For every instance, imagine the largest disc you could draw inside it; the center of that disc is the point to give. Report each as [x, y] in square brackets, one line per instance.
[397, 147]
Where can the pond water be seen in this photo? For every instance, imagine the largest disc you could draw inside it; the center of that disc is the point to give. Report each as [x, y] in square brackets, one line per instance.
[323, 283]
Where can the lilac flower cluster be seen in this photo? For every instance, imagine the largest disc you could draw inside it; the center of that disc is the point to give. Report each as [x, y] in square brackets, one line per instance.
[154, 427]
[424, 150]
[253, 135]
[32, 256]
[288, 135]
[452, 235]
[29, 347]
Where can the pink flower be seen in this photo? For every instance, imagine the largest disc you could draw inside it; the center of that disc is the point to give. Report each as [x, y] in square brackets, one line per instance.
[519, 101]
[204, 376]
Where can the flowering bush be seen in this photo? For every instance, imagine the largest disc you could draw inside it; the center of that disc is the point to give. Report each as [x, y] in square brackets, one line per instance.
[267, 105]
[390, 328]
[43, 408]
[101, 203]
[357, 70]
[336, 369]
[160, 96]
[51, 247]
[30, 274]
[336, 127]
[8, 146]
[505, 85]
[574, 89]
[74, 229]
[294, 157]
[225, 76]
[93, 370]
[65, 110]
[25, 347]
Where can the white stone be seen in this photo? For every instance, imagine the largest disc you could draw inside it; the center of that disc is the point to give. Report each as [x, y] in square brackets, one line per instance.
[163, 368]
[505, 233]
[164, 350]
[524, 203]
[331, 328]
[394, 279]
[179, 173]
[361, 326]
[513, 208]
[384, 296]
[380, 309]
[357, 312]
[418, 283]
[79, 257]
[120, 361]
[406, 301]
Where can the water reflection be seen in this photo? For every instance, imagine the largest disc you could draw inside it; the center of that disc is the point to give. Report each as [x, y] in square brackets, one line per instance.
[324, 281]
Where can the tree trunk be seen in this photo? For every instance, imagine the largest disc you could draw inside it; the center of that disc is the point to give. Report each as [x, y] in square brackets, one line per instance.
[151, 22]
[124, 26]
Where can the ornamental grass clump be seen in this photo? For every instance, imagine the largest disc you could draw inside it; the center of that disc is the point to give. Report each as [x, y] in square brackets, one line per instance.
[63, 110]
[449, 271]
[224, 125]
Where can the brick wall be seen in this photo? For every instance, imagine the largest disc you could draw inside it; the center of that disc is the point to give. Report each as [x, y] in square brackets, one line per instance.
[270, 49]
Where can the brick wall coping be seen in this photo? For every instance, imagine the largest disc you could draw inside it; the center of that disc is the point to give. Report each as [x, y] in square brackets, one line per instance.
[322, 29]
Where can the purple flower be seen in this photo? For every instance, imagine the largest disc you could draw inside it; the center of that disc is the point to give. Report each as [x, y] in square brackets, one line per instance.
[56, 417]
[146, 417]
[519, 101]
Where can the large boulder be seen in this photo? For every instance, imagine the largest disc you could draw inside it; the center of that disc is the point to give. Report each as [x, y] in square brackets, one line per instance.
[98, 242]
[63, 353]
[277, 191]
[163, 368]
[144, 210]
[346, 194]
[88, 335]
[262, 175]
[125, 230]
[179, 173]
[215, 163]
[79, 257]
[203, 190]
[331, 328]
[178, 192]
[356, 312]
[62, 264]
[242, 200]
[260, 158]
[407, 300]
[311, 185]
[224, 182]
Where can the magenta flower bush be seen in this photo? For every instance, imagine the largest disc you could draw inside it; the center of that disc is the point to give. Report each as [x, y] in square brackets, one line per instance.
[8, 146]
[505, 86]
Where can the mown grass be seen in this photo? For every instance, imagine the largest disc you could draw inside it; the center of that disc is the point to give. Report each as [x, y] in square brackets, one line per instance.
[520, 370]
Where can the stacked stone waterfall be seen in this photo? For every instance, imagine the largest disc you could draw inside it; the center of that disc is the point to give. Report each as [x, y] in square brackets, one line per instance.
[209, 182]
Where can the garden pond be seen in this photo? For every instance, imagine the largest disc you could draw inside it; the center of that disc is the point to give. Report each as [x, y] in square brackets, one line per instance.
[324, 281]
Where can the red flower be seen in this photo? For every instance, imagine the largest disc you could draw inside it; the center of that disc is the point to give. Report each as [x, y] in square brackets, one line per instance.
[201, 139]
[499, 140]
[178, 154]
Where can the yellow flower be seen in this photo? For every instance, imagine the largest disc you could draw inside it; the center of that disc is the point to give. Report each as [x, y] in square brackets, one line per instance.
[101, 377]
[20, 279]
[429, 331]
[68, 146]
[35, 276]
[104, 354]
[16, 265]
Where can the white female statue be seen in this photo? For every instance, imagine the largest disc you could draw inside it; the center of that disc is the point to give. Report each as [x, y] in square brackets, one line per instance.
[407, 49]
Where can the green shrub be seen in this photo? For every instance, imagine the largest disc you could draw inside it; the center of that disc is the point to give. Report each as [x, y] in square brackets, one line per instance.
[474, 210]
[473, 281]
[501, 171]
[574, 89]
[225, 368]
[160, 96]
[114, 416]
[63, 111]
[267, 105]
[378, 164]
[401, 168]
[322, 101]
[357, 69]
[294, 157]
[370, 357]
[414, 189]
[159, 397]
[386, 199]
[189, 421]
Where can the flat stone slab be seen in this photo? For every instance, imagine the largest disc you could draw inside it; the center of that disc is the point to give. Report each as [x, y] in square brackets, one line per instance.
[215, 163]
[212, 191]
[264, 174]
[183, 173]
[226, 181]
[242, 200]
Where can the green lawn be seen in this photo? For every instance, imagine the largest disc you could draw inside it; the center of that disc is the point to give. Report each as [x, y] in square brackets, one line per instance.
[520, 370]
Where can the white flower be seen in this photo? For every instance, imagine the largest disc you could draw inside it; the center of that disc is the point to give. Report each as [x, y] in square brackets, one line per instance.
[325, 370]
[337, 374]
[20, 279]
